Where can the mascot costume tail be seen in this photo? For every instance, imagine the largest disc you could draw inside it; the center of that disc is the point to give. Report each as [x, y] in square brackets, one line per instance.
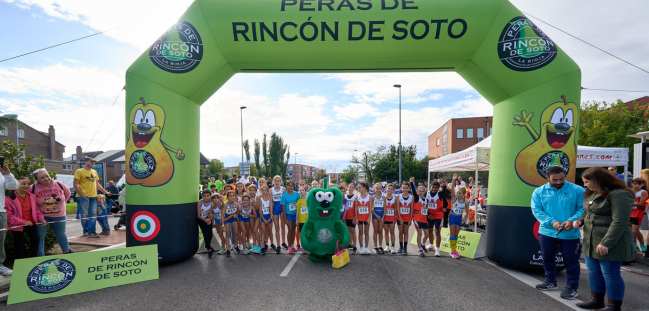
[324, 231]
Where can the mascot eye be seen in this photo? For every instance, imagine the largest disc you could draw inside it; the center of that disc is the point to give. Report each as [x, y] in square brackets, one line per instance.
[329, 196]
[320, 196]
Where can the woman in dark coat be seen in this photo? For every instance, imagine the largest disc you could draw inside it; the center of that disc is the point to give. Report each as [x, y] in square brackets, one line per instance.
[607, 238]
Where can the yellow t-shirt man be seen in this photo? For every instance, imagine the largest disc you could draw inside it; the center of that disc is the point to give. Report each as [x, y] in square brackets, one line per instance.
[87, 179]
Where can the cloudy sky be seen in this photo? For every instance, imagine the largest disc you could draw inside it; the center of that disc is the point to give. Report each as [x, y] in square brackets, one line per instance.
[76, 87]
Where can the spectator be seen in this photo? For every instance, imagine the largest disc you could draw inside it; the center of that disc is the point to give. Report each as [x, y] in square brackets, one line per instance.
[607, 238]
[121, 202]
[7, 182]
[219, 184]
[51, 196]
[86, 183]
[103, 211]
[112, 197]
[613, 171]
[25, 218]
[557, 205]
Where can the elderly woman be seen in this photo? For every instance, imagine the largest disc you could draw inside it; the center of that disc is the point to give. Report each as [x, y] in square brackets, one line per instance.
[51, 196]
[25, 218]
[607, 237]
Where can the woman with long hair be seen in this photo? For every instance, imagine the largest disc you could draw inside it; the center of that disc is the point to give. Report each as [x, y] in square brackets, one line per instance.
[607, 237]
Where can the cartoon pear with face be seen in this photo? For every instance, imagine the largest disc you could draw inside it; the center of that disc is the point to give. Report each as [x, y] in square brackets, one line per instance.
[148, 161]
[554, 146]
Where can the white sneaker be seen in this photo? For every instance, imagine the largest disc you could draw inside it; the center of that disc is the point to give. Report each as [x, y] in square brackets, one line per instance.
[429, 247]
[436, 252]
[5, 271]
[393, 251]
[366, 251]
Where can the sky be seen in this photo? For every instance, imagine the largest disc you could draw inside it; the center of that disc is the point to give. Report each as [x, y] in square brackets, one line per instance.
[77, 87]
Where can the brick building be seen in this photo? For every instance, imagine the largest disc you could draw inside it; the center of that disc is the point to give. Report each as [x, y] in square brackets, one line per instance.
[297, 172]
[458, 134]
[36, 143]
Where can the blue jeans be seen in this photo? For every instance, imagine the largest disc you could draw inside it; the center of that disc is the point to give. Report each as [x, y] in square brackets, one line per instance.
[570, 252]
[102, 218]
[58, 226]
[604, 277]
[88, 207]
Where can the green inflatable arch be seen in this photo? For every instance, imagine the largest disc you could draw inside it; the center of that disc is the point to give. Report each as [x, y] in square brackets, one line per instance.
[533, 85]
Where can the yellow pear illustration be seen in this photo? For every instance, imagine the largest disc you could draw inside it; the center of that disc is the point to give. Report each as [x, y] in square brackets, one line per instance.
[148, 162]
[554, 146]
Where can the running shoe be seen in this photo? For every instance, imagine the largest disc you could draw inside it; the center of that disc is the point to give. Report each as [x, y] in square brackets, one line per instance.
[93, 235]
[272, 246]
[569, 293]
[455, 255]
[237, 250]
[300, 249]
[643, 248]
[429, 247]
[278, 250]
[436, 252]
[393, 251]
[291, 250]
[227, 253]
[284, 246]
[220, 252]
[354, 250]
[421, 252]
[546, 286]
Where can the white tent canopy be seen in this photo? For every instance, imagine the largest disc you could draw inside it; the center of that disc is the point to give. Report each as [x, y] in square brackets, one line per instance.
[477, 157]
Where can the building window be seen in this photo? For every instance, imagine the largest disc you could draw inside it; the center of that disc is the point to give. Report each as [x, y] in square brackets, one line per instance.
[480, 132]
[21, 133]
[3, 131]
[460, 133]
[67, 167]
[469, 133]
[438, 142]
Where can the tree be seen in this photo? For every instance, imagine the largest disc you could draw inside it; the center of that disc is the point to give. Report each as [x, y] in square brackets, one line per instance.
[257, 153]
[367, 164]
[264, 150]
[349, 174]
[246, 149]
[608, 125]
[215, 167]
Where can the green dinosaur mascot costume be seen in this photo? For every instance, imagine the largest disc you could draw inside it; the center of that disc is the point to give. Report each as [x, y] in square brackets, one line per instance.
[323, 229]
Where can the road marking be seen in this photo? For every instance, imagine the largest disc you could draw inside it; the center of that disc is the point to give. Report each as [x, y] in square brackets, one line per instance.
[290, 265]
[531, 282]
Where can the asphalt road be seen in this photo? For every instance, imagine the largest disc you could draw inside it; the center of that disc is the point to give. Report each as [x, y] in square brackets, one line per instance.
[368, 283]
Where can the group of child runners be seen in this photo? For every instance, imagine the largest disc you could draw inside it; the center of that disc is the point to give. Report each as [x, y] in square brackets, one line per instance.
[247, 218]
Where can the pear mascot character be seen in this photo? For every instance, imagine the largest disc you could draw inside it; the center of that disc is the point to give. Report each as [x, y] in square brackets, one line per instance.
[148, 160]
[554, 146]
[324, 231]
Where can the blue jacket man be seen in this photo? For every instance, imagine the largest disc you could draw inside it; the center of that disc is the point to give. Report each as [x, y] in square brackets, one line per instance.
[557, 205]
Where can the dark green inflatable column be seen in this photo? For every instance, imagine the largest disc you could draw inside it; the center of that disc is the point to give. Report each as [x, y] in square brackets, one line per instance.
[164, 91]
[535, 88]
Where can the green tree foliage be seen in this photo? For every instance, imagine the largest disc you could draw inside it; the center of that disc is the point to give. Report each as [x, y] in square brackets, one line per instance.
[608, 125]
[246, 149]
[349, 174]
[257, 154]
[266, 157]
[215, 168]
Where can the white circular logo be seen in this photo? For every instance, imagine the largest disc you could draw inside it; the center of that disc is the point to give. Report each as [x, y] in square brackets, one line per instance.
[324, 235]
[144, 226]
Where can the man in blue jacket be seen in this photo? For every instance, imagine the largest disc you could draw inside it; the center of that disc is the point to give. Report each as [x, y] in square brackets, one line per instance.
[556, 205]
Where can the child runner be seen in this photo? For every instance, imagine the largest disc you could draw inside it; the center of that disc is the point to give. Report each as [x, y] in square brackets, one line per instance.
[265, 202]
[436, 201]
[230, 220]
[349, 215]
[245, 220]
[289, 204]
[217, 223]
[204, 215]
[458, 199]
[278, 219]
[302, 216]
[637, 213]
[362, 207]
[404, 216]
[254, 220]
[378, 202]
[420, 215]
[389, 218]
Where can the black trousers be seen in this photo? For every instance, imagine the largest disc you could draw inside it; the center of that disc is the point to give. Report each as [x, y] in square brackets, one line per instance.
[445, 219]
[21, 248]
[207, 233]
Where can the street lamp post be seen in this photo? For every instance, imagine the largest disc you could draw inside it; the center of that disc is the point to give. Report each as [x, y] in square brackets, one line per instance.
[241, 114]
[400, 160]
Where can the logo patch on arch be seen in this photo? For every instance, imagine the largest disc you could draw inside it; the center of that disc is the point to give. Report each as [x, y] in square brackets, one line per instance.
[524, 47]
[179, 50]
[51, 276]
[144, 226]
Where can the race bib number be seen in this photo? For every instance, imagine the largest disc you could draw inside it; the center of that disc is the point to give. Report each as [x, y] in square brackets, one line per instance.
[231, 211]
[363, 210]
[265, 210]
[424, 211]
[404, 211]
[292, 207]
[389, 212]
[277, 196]
[303, 210]
[378, 203]
[432, 205]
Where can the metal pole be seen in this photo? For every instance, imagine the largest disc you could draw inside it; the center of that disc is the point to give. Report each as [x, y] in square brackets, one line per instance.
[400, 160]
[241, 114]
